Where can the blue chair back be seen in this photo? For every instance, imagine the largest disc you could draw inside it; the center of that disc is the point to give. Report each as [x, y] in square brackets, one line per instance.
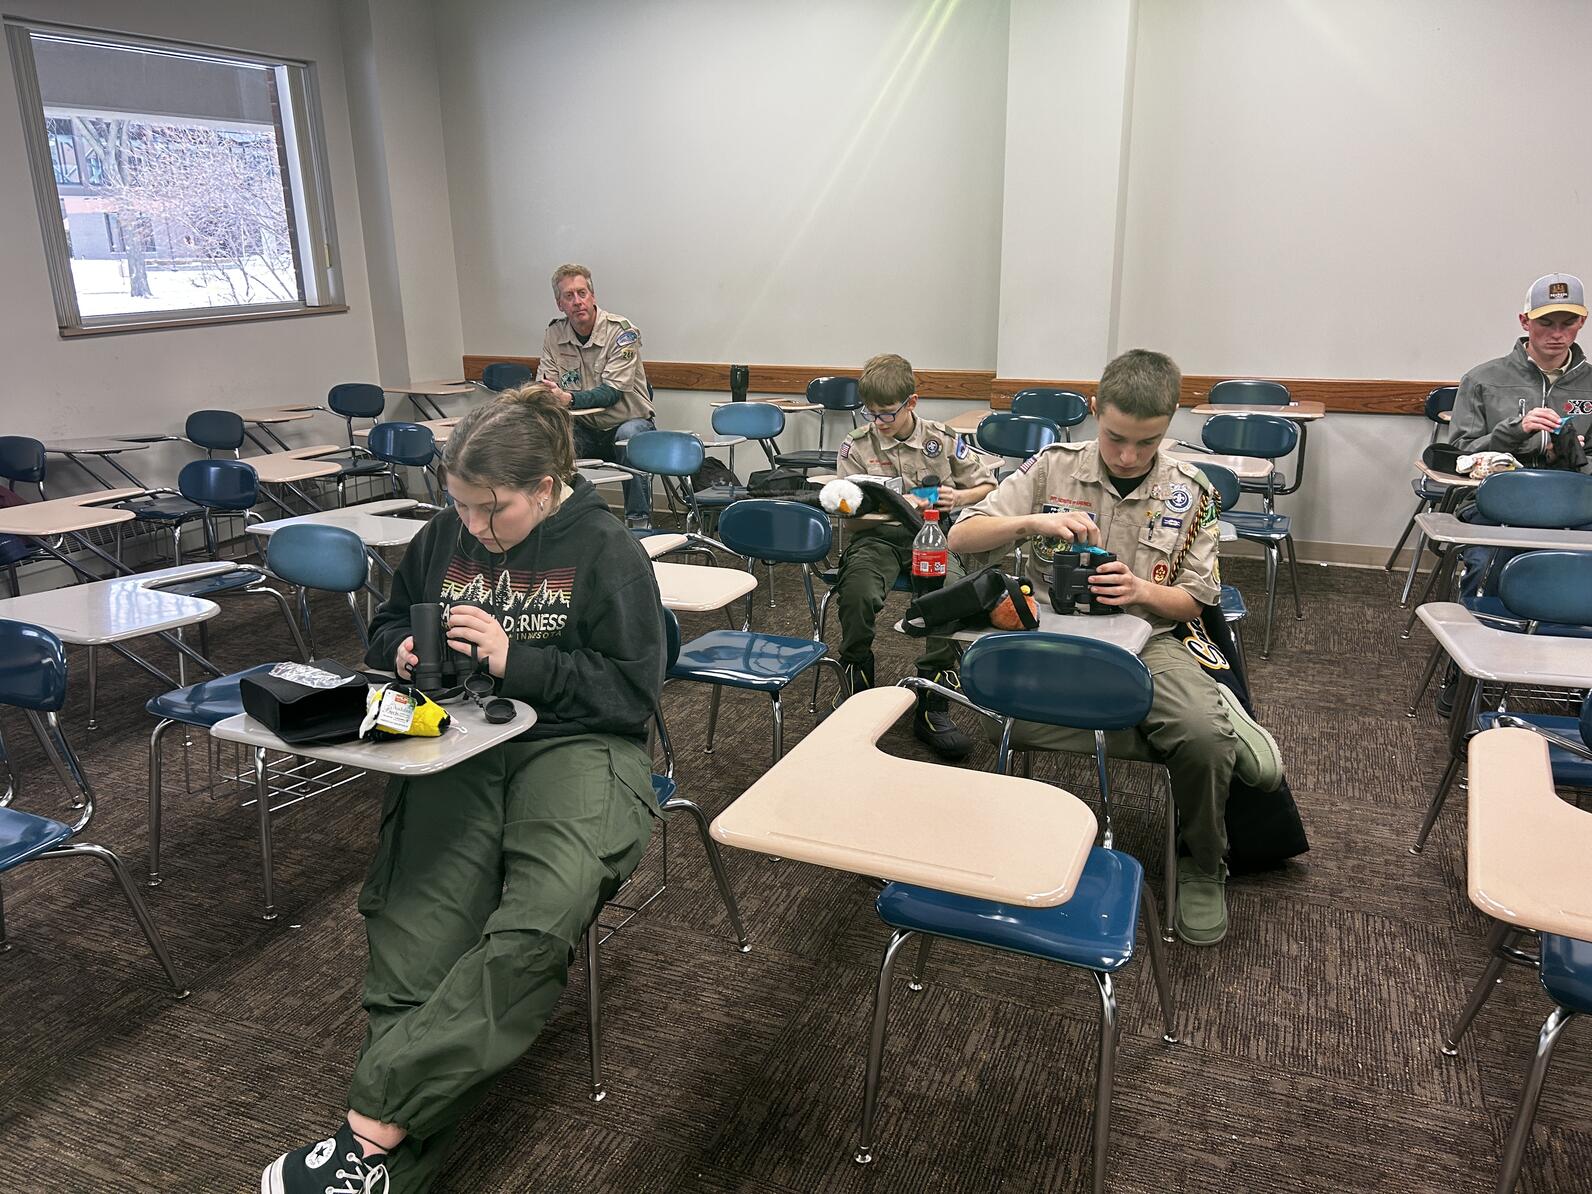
[1225, 481]
[318, 556]
[754, 420]
[1533, 497]
[215, 430]
[21, 459]
[1064, 408]
[671, 638]
[219, 484]
[835, 393]
[1007, 434]
[1549, 586]
[1249, 393]
[357, 400]
[1439, 400]
[1057, 679]
[408, 444]
[505, 375]
[778, 531]
[666, 453]
[1265, 436]
[32, 668]
[1586, 720]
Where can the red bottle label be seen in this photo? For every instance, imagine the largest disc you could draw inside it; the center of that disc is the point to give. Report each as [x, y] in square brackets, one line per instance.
[929, 564]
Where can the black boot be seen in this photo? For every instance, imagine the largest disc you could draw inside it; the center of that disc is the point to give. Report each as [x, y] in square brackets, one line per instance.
[932, 725]
[859, 675]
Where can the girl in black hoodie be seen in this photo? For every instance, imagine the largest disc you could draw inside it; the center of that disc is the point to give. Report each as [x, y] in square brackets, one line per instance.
[488, 873]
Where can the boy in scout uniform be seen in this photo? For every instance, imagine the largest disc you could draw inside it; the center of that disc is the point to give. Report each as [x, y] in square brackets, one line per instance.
[1158, 515]
[896, 442]
[591, 360]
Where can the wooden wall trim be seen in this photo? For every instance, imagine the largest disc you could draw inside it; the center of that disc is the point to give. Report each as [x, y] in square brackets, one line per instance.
[1366, 396]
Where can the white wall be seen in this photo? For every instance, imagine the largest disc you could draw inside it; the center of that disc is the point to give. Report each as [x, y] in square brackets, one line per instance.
[747, 180]
[150, 381]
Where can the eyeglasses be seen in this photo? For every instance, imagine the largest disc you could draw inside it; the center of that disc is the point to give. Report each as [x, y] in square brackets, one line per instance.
[885, 416]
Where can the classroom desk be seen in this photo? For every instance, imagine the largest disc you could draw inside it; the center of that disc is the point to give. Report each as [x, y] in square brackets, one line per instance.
[1245, 468]
[295, 464]
[1526, 846]
[837, 801]
[105, 447]
[662, 545]
[109, 612]
[469, 735]
[1491, 655]
[373, 522]
[604, 475]
[1128, 631]
[698, 589]
[1298, 412]
[785, 404]
[424, 395]
[265, 417]
[968, 420]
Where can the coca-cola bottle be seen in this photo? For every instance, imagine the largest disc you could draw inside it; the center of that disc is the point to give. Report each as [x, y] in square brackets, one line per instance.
[929, 555]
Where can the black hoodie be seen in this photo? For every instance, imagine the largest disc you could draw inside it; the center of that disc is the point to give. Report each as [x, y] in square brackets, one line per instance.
[578, 600]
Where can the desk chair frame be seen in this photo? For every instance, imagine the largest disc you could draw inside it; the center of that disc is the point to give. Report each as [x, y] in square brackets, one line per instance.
[1429, 494]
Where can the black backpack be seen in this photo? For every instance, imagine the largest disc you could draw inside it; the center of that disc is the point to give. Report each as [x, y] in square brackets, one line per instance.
[713, 472]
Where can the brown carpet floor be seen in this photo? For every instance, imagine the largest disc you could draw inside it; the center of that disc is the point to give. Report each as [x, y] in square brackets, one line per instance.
[1309, 1058]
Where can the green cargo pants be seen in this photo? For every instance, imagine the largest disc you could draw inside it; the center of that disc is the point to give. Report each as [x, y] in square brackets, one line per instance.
[1187, 730]
[869, 568]
[484, 881]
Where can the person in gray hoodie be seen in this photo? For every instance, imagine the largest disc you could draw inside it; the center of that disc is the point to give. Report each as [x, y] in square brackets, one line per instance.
[1517, 402]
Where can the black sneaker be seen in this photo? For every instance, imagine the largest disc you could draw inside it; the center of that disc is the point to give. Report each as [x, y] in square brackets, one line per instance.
[859, 674]
[332, 1166]
[933, 727]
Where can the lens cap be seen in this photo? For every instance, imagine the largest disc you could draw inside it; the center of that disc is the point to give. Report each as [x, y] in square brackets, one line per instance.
[498, 711]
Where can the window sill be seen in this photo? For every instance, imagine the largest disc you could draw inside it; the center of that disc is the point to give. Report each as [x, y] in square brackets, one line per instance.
[156, 325]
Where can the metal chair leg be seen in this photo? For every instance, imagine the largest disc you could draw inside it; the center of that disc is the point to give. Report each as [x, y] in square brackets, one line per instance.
[1156, 937]
[716, 862]
[1272, 552]
[1415, 567]
[4, 944]
[921, 965]
[1520, 1134]
[1436, 806]
[713, 717]
[1399, 546]
[1426, 678]
[134, 901]
[1104, 1079]
[594, 1013]
[93, 686]
[1170, 862]
[881, 1018]
[155, 739]
[1497, 941]
[779, 728]
[1106, 835]
[262, 797]
[1293, 576]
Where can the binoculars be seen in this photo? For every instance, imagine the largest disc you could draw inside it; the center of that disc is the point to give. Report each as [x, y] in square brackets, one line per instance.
[1069, 582]
[440, 666]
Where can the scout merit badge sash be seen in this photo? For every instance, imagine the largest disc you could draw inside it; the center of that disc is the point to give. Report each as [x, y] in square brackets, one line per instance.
[1263, 828]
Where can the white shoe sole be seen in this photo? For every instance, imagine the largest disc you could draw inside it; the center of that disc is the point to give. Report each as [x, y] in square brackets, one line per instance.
[271, 1178]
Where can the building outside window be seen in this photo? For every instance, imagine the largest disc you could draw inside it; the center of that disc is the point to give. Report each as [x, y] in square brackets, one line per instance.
[174, 182]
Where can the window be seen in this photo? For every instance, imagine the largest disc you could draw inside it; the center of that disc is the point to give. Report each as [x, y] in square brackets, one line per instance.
[175, 183]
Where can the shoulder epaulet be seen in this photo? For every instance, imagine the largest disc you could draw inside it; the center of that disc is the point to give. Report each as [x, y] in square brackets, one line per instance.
[858, 433]
[1194, 473]
[1066, 447]
[555, 319]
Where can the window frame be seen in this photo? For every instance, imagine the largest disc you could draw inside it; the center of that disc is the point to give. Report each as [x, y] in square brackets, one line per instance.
[304, 164]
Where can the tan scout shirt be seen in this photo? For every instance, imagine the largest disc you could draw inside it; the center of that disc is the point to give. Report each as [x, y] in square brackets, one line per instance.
[931, 448]
[1172, 513]
[612, 357]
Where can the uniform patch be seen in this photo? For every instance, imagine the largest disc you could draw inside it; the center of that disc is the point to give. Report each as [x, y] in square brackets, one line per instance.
[961, 450]
[1162, 571]
[932, 448]
[627, 354]
[1209, 517]
[845, 449]
[569, 379]
[1179, 499]
[1169, 521]
[626, 338]
[1027, 466]
[1578, 406]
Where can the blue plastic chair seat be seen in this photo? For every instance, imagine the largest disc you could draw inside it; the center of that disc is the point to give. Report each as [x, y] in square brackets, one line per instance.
[663, 789]
[1567, 971]
[166, 508]
[1253, 524]
[721, 495]
[1570, 771]
[24, 836]
[1094, 929]
[221, 582]
[1233, 607]
[205, 703]
[807, 458]
[1494, 607]
[350, 465]
[742, 659]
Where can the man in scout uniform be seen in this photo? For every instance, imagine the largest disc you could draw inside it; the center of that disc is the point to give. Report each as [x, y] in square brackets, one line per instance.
[1515, 403]
[896, 442]
[1158, 515]
[591, 360]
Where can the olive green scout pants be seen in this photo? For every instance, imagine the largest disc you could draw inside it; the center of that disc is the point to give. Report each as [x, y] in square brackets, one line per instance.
[484, 881]
[1187, 729]
[869, 568]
